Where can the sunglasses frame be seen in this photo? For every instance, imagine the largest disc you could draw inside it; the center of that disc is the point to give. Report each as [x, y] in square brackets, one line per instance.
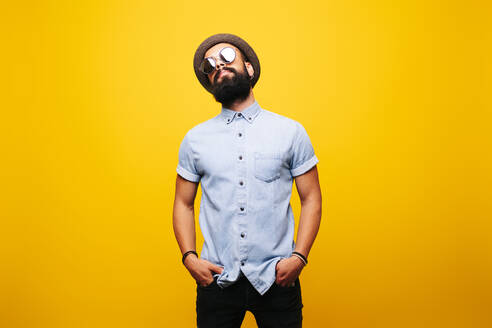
[202, 64]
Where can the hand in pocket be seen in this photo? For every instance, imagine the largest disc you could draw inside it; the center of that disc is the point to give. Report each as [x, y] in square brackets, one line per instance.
[287, 271]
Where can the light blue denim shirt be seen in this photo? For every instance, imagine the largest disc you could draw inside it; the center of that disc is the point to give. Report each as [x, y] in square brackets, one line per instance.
[246, 162]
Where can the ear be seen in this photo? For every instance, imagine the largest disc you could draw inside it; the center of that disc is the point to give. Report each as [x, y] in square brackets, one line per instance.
[251, 70]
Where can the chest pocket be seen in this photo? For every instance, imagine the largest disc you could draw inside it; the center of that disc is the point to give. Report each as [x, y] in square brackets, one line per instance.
[267, 166]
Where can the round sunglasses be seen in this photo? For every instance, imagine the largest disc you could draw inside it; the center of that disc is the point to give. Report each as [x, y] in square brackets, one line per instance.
[208, 64]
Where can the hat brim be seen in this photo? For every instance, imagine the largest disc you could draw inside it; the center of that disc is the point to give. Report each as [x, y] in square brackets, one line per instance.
[227, 38]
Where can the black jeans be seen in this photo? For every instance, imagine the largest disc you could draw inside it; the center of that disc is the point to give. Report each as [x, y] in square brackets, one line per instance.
[225, 308]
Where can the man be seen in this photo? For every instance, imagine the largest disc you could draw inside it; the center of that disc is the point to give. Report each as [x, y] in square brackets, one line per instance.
[246, 158]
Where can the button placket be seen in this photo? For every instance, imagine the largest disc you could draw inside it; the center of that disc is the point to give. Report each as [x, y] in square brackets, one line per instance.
[242, 187]
[241, 170]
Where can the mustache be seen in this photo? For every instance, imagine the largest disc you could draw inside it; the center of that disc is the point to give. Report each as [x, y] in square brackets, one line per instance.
[230, 69]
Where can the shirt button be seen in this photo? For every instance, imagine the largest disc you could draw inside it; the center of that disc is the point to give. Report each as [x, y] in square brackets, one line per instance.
[242, 208]
[241, 183]
[242, 234]
[239, 114]
[240, 134]
[240, 157]
[242, 263]
[250, 118]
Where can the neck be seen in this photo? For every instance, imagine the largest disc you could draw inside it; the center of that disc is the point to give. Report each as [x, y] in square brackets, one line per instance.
[239, 105]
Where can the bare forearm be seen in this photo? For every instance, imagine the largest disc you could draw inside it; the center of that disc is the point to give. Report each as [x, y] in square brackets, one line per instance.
[309, 223]
[184, 227]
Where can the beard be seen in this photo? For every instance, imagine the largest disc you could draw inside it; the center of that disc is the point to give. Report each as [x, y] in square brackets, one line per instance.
[232, 88]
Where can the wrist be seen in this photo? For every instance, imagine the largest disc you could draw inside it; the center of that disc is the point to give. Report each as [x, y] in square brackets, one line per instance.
[299, 260]
[189, 254]
[190, 259]
[300, 257]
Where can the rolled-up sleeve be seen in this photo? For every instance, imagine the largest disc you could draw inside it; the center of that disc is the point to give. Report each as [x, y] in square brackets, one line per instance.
[186, 161]
[303, 157]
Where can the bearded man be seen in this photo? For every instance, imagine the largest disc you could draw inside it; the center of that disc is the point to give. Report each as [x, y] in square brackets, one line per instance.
[246, 159]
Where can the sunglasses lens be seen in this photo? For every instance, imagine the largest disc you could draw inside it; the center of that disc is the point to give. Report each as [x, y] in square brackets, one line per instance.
[208, 65]
[227, 55]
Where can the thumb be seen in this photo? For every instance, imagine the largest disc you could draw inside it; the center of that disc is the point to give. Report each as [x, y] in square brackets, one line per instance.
[276, 265]
[216, 268]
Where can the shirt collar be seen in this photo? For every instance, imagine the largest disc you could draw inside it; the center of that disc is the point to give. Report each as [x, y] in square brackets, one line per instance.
[249, 113]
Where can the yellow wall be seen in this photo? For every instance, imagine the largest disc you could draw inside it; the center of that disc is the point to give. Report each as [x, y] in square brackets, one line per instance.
[97, 95]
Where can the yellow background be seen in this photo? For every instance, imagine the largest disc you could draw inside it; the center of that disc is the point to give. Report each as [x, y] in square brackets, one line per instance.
[97, 96]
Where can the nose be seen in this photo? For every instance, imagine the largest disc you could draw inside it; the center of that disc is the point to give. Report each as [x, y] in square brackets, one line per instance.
[220, 64]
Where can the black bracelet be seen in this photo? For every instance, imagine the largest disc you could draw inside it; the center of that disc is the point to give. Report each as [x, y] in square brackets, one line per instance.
[305, 259]
[186, 254]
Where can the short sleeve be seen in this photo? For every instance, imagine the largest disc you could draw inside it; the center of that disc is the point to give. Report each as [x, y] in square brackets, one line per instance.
[186, 162]
[303, 157]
